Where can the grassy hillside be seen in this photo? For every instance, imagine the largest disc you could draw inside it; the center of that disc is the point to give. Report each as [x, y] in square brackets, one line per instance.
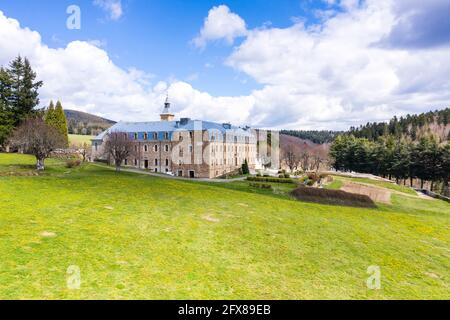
[85, 123]
[136, 236]
[79, 140]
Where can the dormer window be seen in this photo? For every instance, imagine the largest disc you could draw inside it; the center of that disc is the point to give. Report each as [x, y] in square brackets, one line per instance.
[145, 136]
[155, 136]
[135, 136]
[166, 135]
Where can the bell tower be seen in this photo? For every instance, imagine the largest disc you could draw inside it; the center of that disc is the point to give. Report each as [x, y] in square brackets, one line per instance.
[166, 115]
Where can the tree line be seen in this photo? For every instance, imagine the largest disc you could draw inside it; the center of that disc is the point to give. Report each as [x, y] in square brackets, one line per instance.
[319, 137]
[409, 126]
[395, 158]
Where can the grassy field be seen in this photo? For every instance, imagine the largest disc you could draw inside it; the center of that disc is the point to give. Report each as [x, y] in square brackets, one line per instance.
[377, 183]
[143, 237]
[79, 140]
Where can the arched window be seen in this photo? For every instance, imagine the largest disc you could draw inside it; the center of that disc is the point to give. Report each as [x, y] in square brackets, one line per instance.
[156, 148]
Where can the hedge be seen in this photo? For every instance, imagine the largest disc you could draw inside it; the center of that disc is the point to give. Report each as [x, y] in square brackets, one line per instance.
[270, 179]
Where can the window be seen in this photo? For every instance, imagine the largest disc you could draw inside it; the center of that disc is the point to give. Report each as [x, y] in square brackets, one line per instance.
[191, 134]
[167, 170]
[156, 169]
[156, 162]
[145, 148]
[166, 148]
[126, 162]
[135, 136]
[155, 136]
[166, 135]
[156, 148]
[145, 136]
[190, 148]
[135, 162]
[96, 146]
[167, 162]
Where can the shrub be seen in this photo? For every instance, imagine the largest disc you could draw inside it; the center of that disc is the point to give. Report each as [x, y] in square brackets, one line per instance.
[72, 163]
[266, 175]
[287, 175]
[270, 179]
[261, 186]
[258, 174]
[335, 197]
[281, 176]
[313, 176]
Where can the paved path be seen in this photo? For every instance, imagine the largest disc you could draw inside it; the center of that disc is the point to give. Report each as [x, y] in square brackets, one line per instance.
[166, 176]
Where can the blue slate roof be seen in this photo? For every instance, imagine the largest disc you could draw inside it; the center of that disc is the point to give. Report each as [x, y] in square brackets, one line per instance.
[171, 126]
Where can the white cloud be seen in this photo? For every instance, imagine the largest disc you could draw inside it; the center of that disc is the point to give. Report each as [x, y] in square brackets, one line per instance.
[335, 75]
[112, 7]
[221, 23]
[83, 76]
[327, 76]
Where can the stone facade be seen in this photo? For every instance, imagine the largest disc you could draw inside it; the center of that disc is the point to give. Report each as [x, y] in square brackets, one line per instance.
[187, 148]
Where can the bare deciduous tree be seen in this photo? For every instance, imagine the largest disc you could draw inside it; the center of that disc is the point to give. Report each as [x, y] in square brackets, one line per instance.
[36, 137]
[305, 156]
[290, 157]
[317, 161]
[118, 146]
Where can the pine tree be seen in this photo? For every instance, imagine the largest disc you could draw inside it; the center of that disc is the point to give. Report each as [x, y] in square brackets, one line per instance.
[245, 169]
[50, 115]
[24, 89]
[6, 115]
[61, 121]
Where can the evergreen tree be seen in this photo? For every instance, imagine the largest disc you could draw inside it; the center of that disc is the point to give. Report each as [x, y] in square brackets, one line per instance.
[55, 117]
[62, 121]
[245, 169]
[50, 115]
[6, 115]
[24, 89]
[6, 123]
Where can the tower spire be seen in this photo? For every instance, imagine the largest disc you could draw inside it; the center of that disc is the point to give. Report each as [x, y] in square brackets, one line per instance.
[166, 115]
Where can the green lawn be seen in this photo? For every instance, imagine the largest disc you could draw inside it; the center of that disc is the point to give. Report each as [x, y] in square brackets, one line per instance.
[378, 183]
[143, 237]
[79, 140]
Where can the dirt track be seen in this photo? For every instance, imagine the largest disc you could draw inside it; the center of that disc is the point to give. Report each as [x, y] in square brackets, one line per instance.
[375, 193]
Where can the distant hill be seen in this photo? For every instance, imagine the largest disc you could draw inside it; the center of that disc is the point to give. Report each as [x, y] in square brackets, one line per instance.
[319, 137]
[432, 123]
[85, 123]
[307, 152]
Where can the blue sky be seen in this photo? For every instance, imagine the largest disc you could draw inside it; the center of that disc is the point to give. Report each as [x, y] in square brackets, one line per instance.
[322, 64]
[155, 36]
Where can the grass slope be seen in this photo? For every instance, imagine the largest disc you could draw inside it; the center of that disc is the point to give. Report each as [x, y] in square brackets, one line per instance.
[79, 140]
[136, 236]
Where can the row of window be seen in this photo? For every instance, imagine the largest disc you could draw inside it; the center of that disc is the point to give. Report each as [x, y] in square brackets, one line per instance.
[215, 136]
[146, 162]
[154, 136]
[155, 148]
